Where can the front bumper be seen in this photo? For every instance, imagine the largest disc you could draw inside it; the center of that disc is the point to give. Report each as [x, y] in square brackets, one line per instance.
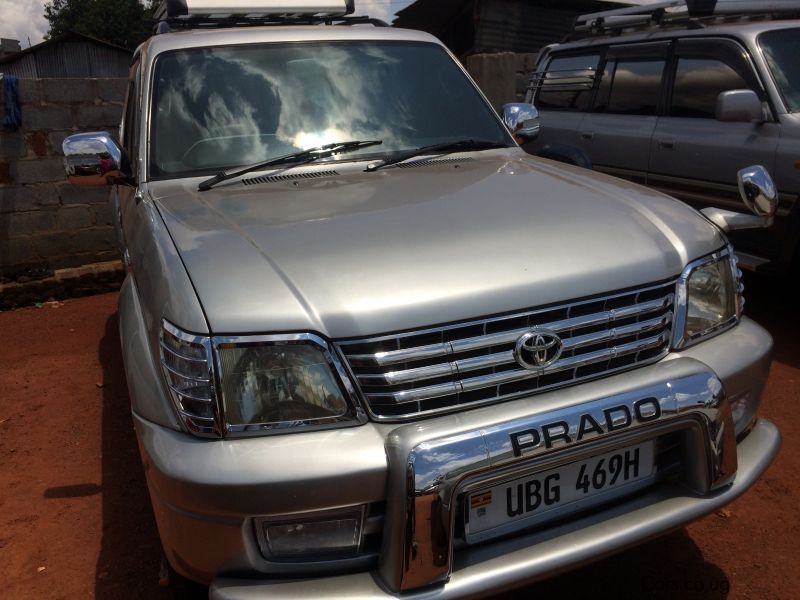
[205, 493]
[539, 555]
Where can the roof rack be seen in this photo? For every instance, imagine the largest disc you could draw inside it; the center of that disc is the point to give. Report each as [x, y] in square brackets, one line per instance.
[196, 14]
[694, 13]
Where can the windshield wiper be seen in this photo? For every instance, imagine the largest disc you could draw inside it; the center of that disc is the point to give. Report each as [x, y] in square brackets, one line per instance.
[297, 158]
[444, 147]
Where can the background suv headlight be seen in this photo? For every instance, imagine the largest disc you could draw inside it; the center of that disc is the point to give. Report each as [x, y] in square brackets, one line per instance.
[708, 298]
[256, 384]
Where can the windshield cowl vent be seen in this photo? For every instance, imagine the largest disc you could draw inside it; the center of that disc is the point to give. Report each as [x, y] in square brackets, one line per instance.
[290, 177]
[431, 161]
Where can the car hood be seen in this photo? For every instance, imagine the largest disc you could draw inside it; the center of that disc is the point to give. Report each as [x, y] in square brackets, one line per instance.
[346, 253]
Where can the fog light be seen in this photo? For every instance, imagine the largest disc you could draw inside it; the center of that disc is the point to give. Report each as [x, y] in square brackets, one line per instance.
[324, 535]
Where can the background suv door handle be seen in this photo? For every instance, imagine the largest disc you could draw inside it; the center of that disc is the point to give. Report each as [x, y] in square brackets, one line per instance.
[666, 144]
[587, 135]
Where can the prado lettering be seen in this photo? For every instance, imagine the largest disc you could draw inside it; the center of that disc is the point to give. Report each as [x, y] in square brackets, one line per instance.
[613, 419]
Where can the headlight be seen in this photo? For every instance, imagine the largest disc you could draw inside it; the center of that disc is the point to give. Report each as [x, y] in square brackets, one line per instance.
[255, 384]
[709, 298]
[278, 382]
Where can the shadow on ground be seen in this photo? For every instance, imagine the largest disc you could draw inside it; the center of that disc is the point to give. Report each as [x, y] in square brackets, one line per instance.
[130, 552]
[771, 302]
[668, 567]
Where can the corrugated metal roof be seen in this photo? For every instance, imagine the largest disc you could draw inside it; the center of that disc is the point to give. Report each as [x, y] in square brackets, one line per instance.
[68, 55]
[24, 67]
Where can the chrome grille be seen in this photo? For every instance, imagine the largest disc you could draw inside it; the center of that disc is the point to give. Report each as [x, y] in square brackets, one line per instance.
[444, 368]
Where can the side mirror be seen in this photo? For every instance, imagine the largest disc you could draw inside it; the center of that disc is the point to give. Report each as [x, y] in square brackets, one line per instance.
[758, 193]
[92, 159]
[758, 190]
[522, 120]
[742, 106]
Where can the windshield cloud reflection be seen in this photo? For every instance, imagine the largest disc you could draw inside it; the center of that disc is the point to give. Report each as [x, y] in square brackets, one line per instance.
[228, 106]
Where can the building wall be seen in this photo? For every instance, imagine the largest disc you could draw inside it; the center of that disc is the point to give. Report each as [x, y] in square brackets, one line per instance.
[9, 47]
[528, 26]
[502, 76]
[45, 223]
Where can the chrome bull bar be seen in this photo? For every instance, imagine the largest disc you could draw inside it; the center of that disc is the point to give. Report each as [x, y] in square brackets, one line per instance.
[431, 464]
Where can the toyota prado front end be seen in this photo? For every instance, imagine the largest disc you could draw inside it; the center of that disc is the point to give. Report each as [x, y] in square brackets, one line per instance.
[375, 349]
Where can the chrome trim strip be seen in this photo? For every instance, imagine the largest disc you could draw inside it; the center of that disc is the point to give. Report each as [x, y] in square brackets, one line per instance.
[392, 357]
[182, 376]
[465, 365]
[614, 333]
[473, 383]
[209, 420]
[500, 358]
[426, 393]
[178, 354]
[189, 396]
[427, 476]
[409, 375]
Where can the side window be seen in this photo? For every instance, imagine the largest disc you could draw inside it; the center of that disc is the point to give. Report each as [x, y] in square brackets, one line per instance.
[703, 70]
[568, 82]
[630, 86]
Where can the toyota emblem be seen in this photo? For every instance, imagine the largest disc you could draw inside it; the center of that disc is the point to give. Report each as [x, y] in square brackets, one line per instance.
[537, 349]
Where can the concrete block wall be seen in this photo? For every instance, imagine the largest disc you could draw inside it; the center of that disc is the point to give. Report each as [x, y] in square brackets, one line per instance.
[47, 224]
[503, 76]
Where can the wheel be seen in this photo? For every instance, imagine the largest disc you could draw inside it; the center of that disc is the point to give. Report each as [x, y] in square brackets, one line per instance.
[182, 588]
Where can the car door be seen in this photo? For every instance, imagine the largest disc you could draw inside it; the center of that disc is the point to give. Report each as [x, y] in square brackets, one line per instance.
[562, 91]
[616, 133]
[694, 156]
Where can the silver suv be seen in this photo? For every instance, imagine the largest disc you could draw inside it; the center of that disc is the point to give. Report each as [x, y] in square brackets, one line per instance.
[681, 99]
[373, 348]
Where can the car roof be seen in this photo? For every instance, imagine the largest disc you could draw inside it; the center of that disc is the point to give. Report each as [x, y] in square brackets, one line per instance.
[203, 38]
[737, 29]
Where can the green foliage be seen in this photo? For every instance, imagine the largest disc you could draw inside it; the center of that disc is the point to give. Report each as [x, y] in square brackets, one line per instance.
[122, 22]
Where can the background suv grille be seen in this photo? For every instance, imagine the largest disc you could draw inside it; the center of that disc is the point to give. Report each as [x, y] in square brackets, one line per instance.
[444, 368]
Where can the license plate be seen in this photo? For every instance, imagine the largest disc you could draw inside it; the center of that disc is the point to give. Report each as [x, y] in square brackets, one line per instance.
[526, 501]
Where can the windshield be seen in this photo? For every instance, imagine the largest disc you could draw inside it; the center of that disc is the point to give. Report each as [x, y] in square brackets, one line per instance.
[781, 49]
[216, 108]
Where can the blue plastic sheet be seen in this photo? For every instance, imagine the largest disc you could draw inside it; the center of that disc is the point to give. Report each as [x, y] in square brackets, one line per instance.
[13, 114]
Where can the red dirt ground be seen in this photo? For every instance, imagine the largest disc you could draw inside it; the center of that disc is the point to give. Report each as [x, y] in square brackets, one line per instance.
[75, 518]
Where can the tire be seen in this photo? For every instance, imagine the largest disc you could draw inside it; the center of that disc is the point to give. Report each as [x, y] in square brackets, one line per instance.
[183, 588]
